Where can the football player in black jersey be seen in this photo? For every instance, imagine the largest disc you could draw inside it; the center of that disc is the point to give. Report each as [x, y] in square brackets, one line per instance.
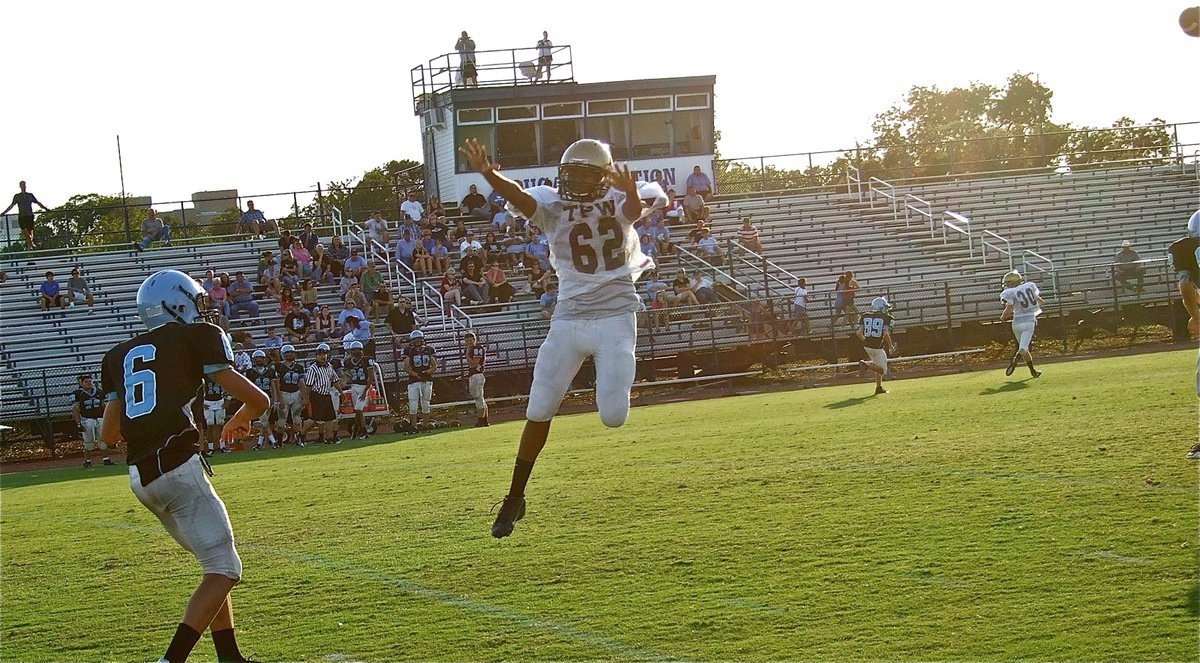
[420, 362]
[149, 383]
[262, 374]
[291, 401]
[87, 413]
[875, 332]
[359, 373]
[214, 415]
[476, 356]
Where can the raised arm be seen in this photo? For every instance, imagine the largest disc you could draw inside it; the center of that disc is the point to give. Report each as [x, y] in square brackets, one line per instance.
[620, 179]
[477, 158]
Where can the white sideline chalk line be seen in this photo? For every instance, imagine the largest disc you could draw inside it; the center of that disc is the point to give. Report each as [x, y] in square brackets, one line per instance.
[550, 627]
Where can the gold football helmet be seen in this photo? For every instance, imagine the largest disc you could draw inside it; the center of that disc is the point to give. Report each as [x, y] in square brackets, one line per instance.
[583, 170]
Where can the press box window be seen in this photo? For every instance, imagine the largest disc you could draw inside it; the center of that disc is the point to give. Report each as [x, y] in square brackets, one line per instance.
[482, 133]
[651, 135]
[516, 113]
[693, 132]
[562, 110]
[613, 130]
[516, 145]
[474, 116]
[651, 104]
[689, 101]
[608, 107]
[557, 136]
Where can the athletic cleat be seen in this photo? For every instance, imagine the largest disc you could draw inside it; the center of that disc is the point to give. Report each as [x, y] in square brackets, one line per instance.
[880, 390]
[87, 464]
[1194, 454]
[107, 461]
[1012, 366]
[1035, 373]
[511, 510]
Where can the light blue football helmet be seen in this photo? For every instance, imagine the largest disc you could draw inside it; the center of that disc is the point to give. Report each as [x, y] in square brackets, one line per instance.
[170, 296]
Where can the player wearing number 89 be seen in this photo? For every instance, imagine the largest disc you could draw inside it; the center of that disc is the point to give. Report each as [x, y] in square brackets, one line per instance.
[594, 248]
[149, 383]
[1022, 305]
[875, 332]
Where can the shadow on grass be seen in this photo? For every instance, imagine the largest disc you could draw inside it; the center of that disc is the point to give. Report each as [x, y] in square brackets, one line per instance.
[76, 472]
[849, 402]
[1006, 387]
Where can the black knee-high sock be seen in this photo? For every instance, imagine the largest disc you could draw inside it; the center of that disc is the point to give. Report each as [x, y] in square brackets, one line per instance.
[227, 648]
[521, 471]
[181, 645]
[1029, 363]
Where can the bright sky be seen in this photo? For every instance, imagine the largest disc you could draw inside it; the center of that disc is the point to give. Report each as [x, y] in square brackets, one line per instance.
[266, 97]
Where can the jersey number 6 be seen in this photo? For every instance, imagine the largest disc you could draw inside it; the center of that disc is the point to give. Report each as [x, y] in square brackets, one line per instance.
[583, 256]
[141, 387]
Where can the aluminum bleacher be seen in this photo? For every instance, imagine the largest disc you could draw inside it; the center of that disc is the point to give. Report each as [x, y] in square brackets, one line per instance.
[1076, 220]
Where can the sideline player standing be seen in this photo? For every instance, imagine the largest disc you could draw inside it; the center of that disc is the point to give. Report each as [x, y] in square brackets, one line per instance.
[595, 250]
[88, 413]
[262, 374]
[149, 382]
[420, 362]
[214, 415]
[1022, 305]
[291, 402]
[875, 332]
[476, 357]
[360, 375]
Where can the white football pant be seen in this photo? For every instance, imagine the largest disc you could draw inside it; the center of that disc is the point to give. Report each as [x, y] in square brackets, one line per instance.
[611, 342]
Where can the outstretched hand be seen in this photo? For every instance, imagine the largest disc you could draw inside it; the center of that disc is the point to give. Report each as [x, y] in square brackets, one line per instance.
[619, 178]
[476, 154]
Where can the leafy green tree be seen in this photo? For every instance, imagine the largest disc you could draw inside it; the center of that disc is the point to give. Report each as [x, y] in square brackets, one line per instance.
[88, 220]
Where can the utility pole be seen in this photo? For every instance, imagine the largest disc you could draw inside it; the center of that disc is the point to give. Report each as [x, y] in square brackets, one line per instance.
[124, 198]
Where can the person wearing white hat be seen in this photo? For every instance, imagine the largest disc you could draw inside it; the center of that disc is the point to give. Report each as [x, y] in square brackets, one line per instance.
[1126, 267]
[875, 332]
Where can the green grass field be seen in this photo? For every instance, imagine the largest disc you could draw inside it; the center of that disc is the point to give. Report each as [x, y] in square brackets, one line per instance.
[959, 517]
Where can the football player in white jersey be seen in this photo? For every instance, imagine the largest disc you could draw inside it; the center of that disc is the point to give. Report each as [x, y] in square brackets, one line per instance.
[1022, 304]
[589, 220]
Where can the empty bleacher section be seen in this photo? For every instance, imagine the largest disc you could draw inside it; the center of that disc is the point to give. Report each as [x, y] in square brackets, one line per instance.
[1077, 221]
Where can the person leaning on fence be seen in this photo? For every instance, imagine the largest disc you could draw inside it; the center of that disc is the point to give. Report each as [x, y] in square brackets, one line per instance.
[24, 202]
[153, 230]
[1126, 268]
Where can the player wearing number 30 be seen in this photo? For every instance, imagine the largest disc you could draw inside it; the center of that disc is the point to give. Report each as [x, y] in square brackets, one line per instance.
[595, 250]
[1022, 304]
[150, 382]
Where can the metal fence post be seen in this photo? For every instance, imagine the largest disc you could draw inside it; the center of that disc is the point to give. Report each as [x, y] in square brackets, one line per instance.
[183, 219]
[949, 315]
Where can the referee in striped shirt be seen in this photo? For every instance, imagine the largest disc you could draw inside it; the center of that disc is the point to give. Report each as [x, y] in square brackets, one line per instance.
[322, 389]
